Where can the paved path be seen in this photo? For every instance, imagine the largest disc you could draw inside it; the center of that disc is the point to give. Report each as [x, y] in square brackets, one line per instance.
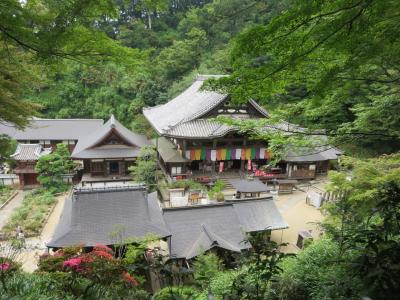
[299, 216]
[6, 211]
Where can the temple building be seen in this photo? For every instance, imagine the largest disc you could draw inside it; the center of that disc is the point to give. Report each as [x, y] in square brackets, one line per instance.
[108, 152]
[41, 137]
[192, 144]
[112, 216]
[26, 156]
[105, 150]
[50, 132]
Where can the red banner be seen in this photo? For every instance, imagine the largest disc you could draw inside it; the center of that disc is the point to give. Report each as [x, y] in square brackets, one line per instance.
[249, 165]
[221, 166]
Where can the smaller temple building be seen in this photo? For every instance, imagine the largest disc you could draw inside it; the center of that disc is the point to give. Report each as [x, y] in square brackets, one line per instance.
[108, 152]
[26, 156]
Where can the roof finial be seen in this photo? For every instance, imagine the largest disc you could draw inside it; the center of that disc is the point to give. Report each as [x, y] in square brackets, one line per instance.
[112, 121]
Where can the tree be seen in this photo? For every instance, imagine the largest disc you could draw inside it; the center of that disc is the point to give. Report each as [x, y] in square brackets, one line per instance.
[206, 266]
[351, 79]
[7, 147]
[260, 266]
[51, 167]
[151, 7]
[145, 169]
[365, 222]
[36, 33]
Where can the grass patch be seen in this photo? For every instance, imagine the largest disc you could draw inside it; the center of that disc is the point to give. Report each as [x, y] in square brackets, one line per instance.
[32, 214]
[5, 193]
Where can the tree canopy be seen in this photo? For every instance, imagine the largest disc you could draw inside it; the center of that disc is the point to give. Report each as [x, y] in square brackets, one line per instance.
[330, 65]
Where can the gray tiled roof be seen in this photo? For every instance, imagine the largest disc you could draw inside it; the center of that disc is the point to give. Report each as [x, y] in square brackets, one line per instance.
[52, 129]
[187, 106]
[201, 128]
[86, 146]
[196, 229]
[181, 117]
[89, 217]
[25, 152]
[168, 151]
[315, 154]
[248, 186]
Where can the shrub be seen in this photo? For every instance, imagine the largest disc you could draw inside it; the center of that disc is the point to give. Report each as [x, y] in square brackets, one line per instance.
[5, 193]
[173, 293]
[216, 191]
[316, 273]
[98, 268]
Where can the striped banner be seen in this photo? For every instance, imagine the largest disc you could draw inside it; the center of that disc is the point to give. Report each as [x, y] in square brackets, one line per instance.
[228, 154]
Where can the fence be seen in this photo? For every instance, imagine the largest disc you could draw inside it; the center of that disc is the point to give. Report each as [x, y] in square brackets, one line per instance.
[9, 179]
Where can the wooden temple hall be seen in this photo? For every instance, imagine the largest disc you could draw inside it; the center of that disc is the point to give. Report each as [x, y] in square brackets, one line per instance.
[192, 144]
[108, 152]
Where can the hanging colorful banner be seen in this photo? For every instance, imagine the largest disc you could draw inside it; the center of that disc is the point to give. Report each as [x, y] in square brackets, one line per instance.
[213, 155]
[250, 153]
[203, 154]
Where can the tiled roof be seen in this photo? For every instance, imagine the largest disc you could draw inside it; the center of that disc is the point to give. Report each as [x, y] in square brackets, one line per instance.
[90, 217]
[87, 145]
[168, 151]
[201, 128]
[30, 152]
[248, 186]
[187, 106]
[52, 129]
[313, 154]
[196, 229]
[181, 117]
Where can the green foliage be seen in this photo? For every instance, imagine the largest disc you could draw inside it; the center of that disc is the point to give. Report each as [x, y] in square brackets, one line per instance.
[364, 221]
[176, 293]
[52, 166]
[85, 275]
[260, 265]
[36, 33]
[7, 148]
[216, 190]
[316, 65]
[145, 168]
[5, 193]
[320, 271]
[206, 266]
[32, 214]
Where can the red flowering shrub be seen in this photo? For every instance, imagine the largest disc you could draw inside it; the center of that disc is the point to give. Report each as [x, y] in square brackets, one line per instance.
[97, 267]
[129, 279]
[100, 247]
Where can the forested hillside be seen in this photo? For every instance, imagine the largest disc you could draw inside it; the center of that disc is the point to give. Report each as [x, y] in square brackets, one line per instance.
[331, 67]
[176, 39]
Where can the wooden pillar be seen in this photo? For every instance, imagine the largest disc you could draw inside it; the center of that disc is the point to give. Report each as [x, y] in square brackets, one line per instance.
[106, 168]
[122, 168]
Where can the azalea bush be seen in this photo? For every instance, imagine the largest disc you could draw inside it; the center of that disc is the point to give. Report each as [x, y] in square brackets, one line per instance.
[83, 273]
[7, 268]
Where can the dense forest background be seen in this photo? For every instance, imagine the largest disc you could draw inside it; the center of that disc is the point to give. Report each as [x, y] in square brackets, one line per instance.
[177, 40]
